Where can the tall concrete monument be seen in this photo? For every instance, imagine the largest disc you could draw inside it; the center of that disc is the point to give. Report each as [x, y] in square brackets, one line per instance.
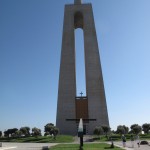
[92, 108]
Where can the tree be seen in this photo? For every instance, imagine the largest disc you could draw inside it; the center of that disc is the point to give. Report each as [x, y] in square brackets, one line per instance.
[113, 131]
[18, 133]
[132, 126]
[6, 133]
[106, 129]
[0, 133]
[126, 129]
[36, 132]
[28, 131]
[46, 133]
[10, 132]
[25, 131]
[136, 129]
[146, 128]
[51, 130]
[98, 131]
[120, 129]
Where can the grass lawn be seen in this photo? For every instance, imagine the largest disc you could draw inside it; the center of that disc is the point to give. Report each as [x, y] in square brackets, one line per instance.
[99, 146]
[145, 136]
[117, 137]
[65, 139]
[40, 139]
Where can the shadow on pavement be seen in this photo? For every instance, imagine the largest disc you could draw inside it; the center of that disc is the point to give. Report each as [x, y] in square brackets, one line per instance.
[45, 148]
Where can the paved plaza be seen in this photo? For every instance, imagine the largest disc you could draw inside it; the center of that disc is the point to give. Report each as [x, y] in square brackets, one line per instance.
[44, 146]
[26, 146]
[128, 146]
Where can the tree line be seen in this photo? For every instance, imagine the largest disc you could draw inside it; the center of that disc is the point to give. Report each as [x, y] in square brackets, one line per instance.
[49, 129]
[122, 129]
[134, 129]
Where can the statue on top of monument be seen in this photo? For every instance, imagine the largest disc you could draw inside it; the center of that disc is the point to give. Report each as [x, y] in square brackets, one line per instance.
[77, 1]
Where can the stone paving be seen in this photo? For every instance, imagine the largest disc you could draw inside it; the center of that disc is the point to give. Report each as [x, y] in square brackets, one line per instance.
[44, 146]
[128, 146]
[26, 146]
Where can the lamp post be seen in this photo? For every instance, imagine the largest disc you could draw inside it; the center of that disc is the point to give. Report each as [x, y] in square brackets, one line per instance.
[80, 132]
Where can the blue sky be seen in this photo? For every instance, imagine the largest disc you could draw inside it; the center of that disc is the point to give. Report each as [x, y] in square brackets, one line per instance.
[30, 47]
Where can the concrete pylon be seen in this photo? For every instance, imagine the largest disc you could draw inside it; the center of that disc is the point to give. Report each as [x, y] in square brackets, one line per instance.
[92, 108]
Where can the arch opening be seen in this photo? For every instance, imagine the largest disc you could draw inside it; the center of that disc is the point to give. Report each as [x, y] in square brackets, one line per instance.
[80, 63]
